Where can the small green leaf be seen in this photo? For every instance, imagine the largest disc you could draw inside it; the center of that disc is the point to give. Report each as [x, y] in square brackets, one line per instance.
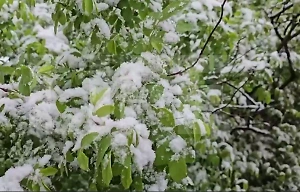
[105, 110]
[88, 6]
[178, 169]
[207, 128]
[117, 169]
[138, 183]
[119, 110]
[104, 144]
[46, 68]
[62, 19]
[2, 2]
[45, 186]
[214, 159]
[26, 75]
[155, 92]
[126, 178]
[93, 187]
[166, 117]
[95, 97]
[83, 160]
[173, 8]
[157, 44]
[130, 137]
[184, 132]
[35, 187]
[211, 63]
[163, 154]
[61, 107]
[111, 47]
[183, 26]
[2, 107]
[107, 174]
[49, 171]
[24, 89]
[88, 139]
[196, 132]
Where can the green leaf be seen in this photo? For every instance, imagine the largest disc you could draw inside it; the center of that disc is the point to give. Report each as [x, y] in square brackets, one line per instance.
[24, 89]
[107, 174]
[126, 178]
[117, 169]
[155, 92]
[213, 159]
[62, 19]
[45, 186]
[61, 107]
[211, 63]
[26, 75]
[104, 144]
[163, 154]
[138, 183]
[166, 117]
[207, 128]
[83, 160]
[185, 132]
[196, 132]
[173, 8]
[87, 6]
[130, 137]
[190, 158]
[2, 107]
[88, 139]
[49, 171]
[2, 2]
[105, 110]
[183, 26]
[46, 68]
[119, 110]
[95, 97]
[178, 169]
[157, 44]
[93, 187]
[111, 47]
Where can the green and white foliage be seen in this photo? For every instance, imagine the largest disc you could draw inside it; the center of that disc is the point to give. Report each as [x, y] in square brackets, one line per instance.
[94, 95]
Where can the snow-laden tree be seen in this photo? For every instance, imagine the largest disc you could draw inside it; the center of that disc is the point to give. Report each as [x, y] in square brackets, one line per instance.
[149, 95]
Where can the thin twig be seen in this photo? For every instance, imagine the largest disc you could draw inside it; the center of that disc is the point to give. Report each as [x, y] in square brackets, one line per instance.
[205, 44]
[237, 90]
[252, 129]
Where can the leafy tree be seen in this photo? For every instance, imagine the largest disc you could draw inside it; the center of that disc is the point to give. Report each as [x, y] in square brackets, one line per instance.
[149, 95]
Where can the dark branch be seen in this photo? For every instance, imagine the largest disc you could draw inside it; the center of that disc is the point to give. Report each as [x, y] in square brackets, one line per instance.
[237, 90]
[205, 44]
[252, 129]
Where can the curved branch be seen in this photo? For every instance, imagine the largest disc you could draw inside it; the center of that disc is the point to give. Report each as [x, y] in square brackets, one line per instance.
[205, 44]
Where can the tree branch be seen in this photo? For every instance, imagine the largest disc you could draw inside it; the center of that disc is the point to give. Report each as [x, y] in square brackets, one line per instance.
[205, 44]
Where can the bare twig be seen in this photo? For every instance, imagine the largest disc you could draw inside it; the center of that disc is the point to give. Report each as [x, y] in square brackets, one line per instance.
[253, 129]
[243, 93]
[237, 90]
[205, 44]
[4, 89]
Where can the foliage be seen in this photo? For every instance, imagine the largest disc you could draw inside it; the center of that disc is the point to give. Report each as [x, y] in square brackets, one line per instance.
[149, 95]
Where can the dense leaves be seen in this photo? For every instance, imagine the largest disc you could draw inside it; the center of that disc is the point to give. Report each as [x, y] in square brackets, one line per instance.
[149, 95]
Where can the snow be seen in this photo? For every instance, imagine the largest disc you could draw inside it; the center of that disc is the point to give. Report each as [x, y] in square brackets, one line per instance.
[44, 160]
[54, 42]
[13, 176]
[119, 140]
[143, 153]
[214, 92]
[177, 144]
[171, 37]
[161, 183]
[129, 77]
[103, 26]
